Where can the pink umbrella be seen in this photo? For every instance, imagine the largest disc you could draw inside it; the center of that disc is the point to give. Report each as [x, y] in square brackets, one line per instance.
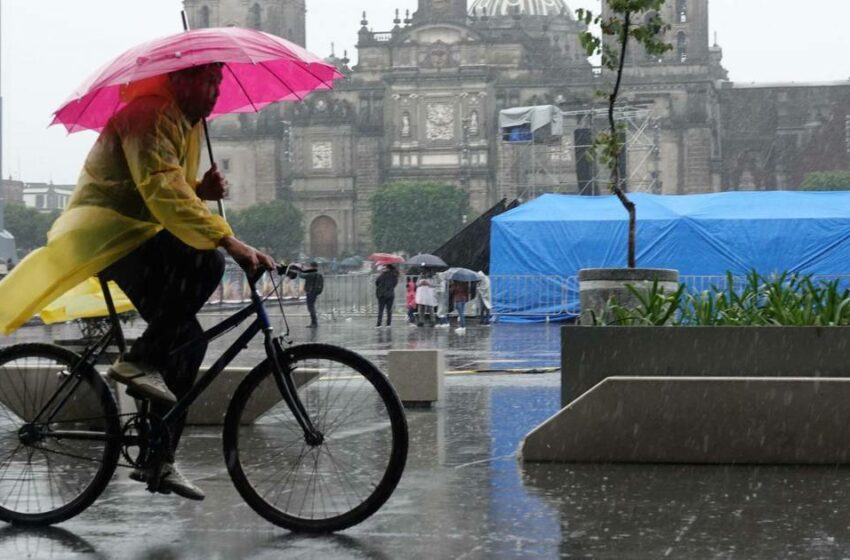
[259, 69]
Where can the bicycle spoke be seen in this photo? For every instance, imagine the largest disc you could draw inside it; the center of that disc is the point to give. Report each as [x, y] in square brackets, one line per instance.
[44, 479]
[334, 483]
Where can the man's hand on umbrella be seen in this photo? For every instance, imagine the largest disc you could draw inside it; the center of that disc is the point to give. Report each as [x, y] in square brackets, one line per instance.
[251, 260]
[213, 186]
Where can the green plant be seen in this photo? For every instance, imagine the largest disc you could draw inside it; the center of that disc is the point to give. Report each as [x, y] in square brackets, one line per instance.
[622, 24]
[780, 300]
[416, 217]
[826, 181]
[28, 225]
[655, 307]
[276, 227]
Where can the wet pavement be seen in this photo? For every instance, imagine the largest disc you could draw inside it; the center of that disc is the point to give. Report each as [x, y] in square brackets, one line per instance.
[463, 494]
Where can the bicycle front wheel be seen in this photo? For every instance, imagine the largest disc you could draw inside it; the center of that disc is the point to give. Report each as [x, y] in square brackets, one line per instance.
[337, 483]
[59, 434]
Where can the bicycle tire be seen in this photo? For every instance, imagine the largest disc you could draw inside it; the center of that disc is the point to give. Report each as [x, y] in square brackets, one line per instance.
[375, 431]
[30, 374]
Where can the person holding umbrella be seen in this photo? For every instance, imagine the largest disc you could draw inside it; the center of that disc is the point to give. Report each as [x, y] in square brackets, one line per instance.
[385, 285]
[139, 215]
[462, 283]
[314, 285]
[426, 300]
[460, 295]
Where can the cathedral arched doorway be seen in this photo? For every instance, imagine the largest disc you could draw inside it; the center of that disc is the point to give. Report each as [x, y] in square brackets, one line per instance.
[323, 237]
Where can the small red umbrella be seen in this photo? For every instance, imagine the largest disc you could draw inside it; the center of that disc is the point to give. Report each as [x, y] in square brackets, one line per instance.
[385, 258]
[259, 69]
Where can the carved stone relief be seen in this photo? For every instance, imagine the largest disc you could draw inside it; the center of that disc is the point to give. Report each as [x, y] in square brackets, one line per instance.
[322, 155]
[440, 120]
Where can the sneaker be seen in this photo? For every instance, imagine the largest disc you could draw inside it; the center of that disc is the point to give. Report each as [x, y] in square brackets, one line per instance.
[460, 330]
[143, 379]
[172, 480]
[312, 326]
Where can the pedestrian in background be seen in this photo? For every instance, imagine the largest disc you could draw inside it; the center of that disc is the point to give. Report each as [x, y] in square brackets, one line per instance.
[314, 285]
[385, 285]
[483, 296]
[426, 301]
[442, 295]
[460, 295]
[411, 301]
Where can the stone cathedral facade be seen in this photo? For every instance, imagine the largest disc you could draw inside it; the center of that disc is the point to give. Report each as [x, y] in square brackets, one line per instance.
[423, 100]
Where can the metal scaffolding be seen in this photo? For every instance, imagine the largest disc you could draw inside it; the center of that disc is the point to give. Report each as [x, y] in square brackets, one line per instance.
[537, 165]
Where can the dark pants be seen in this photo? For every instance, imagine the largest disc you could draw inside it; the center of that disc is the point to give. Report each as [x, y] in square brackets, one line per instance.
[168, 283]
[424, 310]
[385, 303]
[460, 306]
[311, 308]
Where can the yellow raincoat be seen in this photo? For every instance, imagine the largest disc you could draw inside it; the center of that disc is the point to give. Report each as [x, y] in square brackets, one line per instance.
[139, 178]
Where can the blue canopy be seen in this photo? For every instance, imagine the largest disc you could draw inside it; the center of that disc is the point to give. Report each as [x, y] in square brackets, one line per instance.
[702, 234]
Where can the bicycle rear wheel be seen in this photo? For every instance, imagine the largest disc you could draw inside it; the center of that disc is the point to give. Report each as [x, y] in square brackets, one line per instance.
[337, 483]
[46, 479]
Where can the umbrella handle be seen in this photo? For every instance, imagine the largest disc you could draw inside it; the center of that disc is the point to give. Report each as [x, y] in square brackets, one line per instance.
[206, 128]
[212, 161]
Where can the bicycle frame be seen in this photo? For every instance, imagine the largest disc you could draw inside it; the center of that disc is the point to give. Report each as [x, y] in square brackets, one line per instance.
[272, 345]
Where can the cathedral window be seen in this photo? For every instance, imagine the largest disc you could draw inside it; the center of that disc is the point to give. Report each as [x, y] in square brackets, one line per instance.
[682, 11]
[205, 17]
[255, 17]
[682, 47]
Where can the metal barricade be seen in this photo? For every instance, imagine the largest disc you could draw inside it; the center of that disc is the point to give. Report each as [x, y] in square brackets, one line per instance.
[543, 296]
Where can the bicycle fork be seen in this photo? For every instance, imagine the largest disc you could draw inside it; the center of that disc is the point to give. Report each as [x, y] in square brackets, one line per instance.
[283, 379]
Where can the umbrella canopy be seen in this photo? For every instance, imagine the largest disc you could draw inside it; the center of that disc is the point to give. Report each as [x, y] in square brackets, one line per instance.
[259, 69]
[351, 262]
[462, 275]
[424, 260]
[385, 258]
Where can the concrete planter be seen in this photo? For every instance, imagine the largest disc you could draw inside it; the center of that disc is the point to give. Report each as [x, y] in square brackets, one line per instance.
[754, 395]
[598, 285]
[591, 354]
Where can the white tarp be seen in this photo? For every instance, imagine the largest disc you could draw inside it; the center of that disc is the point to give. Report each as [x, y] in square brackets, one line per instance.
[536, 117]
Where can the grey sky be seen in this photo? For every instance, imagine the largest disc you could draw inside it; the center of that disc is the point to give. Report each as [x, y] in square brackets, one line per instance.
[50, 46]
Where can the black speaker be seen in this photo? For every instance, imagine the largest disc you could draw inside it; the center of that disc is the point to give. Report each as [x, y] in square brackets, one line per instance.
[583, 139]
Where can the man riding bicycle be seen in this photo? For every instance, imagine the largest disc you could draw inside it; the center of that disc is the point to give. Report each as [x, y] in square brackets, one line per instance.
[138, 216]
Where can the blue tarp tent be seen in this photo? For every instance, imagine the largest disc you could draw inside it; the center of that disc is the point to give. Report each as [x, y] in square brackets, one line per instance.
[554, 236]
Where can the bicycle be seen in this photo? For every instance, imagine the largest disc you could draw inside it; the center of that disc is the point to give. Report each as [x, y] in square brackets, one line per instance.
[327, 455]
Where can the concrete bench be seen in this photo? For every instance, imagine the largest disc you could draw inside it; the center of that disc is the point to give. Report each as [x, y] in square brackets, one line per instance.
[753, 420]
[209, 409]
[417, 375]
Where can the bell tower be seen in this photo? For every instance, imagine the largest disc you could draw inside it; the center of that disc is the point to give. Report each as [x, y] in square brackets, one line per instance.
[284, 18]
[688, 34]
[441, 10]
